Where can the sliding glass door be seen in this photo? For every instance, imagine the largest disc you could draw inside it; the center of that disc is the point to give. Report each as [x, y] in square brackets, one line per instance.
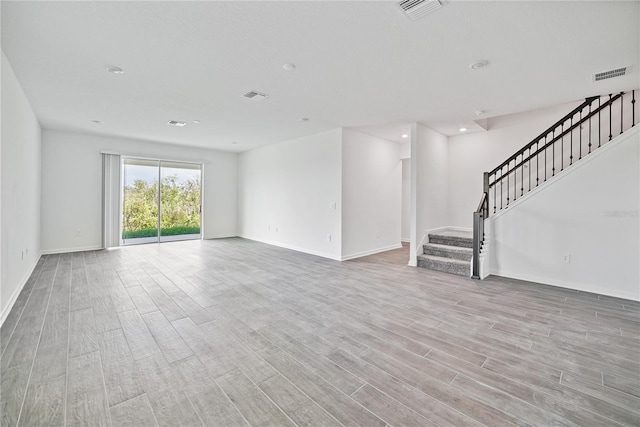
[180, 196]
[161, 201]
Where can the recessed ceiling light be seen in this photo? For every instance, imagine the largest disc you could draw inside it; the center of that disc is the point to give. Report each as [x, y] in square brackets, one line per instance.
[462, 129]
[404, 135]
[114, 70]
[478, 64]
[98, 122]
[176, 123]
[304, 119]
[196, 122]
[289, 67]
[479, 113]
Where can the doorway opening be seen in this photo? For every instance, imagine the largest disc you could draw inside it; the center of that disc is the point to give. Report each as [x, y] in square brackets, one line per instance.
[162, 201]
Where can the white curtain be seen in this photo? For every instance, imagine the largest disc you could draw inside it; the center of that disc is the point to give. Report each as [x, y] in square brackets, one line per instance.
[110, 200]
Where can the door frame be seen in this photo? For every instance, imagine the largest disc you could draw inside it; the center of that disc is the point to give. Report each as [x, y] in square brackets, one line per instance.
[158, 238]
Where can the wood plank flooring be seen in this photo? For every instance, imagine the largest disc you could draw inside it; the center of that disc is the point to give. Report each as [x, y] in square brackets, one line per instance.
[233, 333]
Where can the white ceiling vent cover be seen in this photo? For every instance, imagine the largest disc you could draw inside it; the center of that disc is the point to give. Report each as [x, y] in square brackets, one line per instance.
[416, 9]
[610, 74]
[256, 96]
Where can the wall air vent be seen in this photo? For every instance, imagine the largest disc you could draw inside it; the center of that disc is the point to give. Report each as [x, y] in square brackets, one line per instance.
[610, 74]
[256, 96]
[176, 123]
[416, 9]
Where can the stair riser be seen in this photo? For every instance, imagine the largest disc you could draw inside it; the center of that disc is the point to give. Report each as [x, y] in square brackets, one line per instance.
[444, 253]
[445, 267]
[451, 241]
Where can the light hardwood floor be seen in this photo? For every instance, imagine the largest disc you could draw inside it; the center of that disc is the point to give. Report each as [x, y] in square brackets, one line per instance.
[234, 333]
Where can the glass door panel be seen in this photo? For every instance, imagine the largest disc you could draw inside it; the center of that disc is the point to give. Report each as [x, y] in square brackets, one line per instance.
[173, 215]
[180, 201]
[140, 201]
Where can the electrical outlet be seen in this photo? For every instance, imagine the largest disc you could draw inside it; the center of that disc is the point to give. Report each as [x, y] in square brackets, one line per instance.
[22, 252]
[566, 258]
[329, 237]
[276, 229]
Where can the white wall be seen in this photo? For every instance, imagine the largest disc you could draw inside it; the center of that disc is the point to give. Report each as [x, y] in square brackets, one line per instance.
[470, 155]
[405, 150]
[432, 188]
[371, 194]
[405, 228]
[589, 212]
[20, 189]
[72, 185]
[290, 194]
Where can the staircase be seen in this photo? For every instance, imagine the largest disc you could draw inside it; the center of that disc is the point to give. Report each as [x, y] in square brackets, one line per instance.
[449, 251]
[585, 129]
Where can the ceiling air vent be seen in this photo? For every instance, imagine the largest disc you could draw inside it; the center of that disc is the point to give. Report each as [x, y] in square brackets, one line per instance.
[610, 74]
[176, 123]
[416, 9]
[257, 96]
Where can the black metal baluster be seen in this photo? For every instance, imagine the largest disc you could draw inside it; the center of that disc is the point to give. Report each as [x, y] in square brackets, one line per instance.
[580, 127]
[508, 173]
[562, 148]
[553, 154]
[633, 108]
[545, 159]
[501, 180]
[610, 120]
[621, 112]
[529, 167]
[522, 175]
[537, 164]
[494, 192]
[571, 144]
[515, 176]
[589, 128]
[599, 122]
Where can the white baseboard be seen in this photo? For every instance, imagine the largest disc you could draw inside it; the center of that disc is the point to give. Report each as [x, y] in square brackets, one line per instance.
[581, 287]
[220, 236]
[14, 297]
[68, 250]
[294, 248]
[372, 251]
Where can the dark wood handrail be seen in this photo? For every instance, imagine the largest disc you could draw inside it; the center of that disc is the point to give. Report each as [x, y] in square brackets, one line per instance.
[483, 201]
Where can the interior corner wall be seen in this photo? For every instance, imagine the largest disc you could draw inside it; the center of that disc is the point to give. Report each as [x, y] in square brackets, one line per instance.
[590, 214]
[371, 195]
[20, 156]
[290, 194]
[470, 155]
[72, 186]
[432, 188]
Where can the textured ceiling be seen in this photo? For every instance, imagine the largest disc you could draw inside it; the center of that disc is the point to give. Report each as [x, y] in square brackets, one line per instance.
[358, 64]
